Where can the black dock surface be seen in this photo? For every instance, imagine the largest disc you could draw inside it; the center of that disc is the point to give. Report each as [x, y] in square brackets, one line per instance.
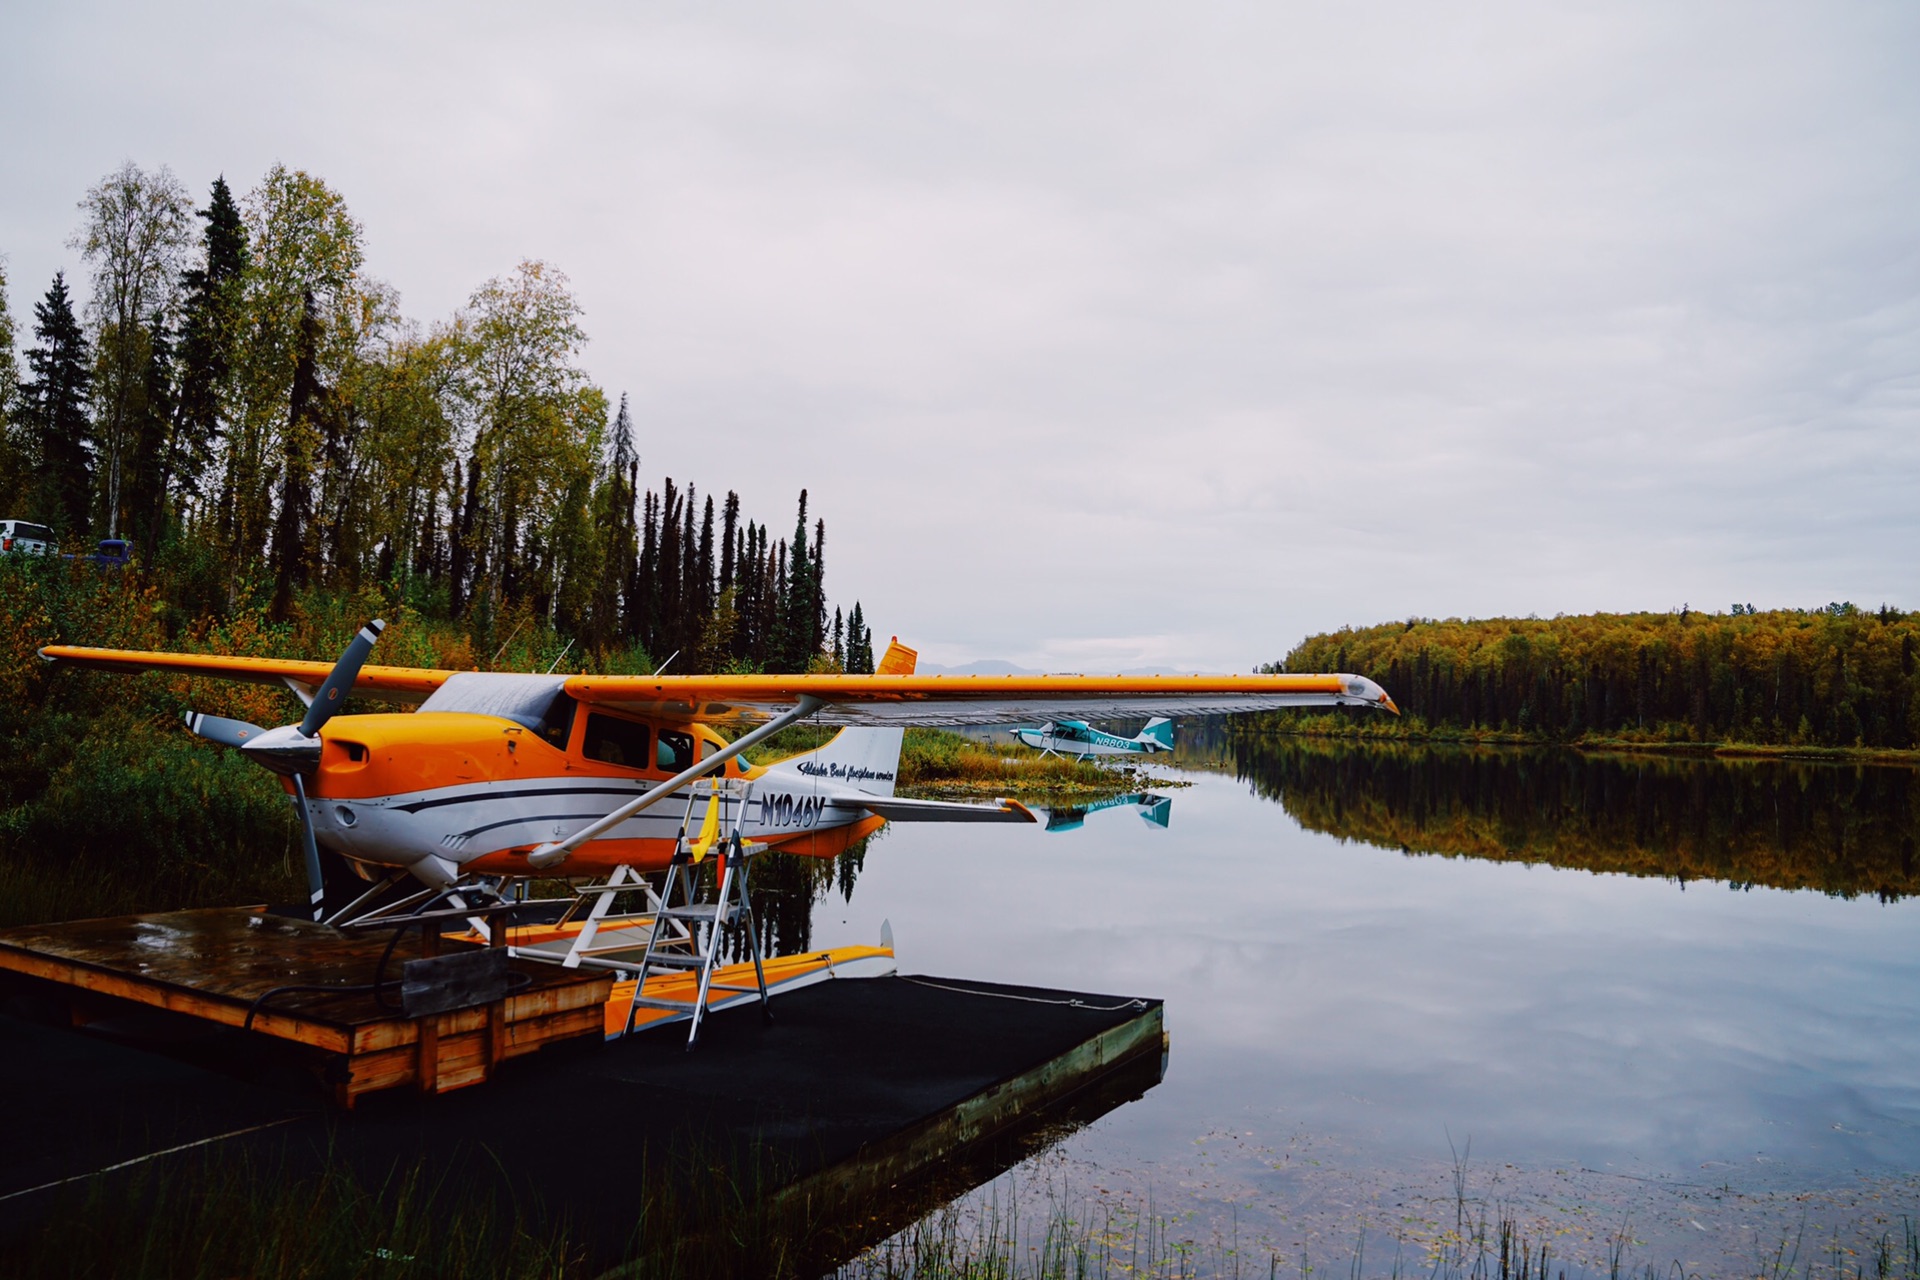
[860, 1088]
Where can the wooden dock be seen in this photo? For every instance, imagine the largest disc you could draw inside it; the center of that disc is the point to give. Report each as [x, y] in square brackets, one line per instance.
[305, 983]
[866, 1103]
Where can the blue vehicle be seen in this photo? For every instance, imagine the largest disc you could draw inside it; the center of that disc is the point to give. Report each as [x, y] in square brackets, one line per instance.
[1079, 739]
[111, 553]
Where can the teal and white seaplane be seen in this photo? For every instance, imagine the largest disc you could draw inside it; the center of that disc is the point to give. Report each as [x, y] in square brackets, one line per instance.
[1079, 739]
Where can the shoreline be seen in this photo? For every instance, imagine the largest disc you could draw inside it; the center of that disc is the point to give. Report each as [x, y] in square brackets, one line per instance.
[1612, 746]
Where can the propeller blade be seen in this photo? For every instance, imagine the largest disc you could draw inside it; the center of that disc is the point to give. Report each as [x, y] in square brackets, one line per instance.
[228, 733]
[339, 683]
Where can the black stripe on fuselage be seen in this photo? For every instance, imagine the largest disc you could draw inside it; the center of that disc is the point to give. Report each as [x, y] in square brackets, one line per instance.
[534, 817]
[475, 797]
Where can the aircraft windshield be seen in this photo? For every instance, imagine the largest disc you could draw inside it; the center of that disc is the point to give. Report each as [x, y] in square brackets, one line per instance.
[538, 702]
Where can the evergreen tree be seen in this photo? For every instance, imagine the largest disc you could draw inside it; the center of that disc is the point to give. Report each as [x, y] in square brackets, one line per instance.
[209, 331]
[55, 414]
[859, 643]
[704, 575]
[614, 517]
[816, 582]
[797, 626]
[151, 434]
[729, 525]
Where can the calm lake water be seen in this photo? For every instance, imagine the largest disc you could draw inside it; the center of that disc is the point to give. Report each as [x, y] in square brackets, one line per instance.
[1670, 1003]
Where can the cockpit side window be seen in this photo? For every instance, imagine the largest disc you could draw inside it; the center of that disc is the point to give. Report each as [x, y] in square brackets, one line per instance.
[614, 741]
[675, 751]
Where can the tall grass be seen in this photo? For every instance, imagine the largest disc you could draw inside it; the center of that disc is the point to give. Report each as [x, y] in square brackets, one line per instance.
[931, 758]
[987, 1237]
[224, 1215]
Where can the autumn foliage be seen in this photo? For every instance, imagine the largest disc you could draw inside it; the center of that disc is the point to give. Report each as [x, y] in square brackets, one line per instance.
[1836, 677]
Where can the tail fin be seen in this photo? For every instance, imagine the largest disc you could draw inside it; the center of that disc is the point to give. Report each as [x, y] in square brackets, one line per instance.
[1160, 730]
[864, 759]
[899, 660]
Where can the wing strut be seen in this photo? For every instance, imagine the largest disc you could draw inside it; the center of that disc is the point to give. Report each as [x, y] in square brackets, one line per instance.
[550, 854]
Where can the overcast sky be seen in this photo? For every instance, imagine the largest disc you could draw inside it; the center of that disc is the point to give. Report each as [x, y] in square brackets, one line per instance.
[1112, 335]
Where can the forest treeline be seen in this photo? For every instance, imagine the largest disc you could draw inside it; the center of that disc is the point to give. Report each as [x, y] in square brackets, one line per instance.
[248, 408]
[1835, 677]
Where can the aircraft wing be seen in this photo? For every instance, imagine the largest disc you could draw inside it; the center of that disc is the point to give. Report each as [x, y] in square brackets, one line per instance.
[401, 684]
[877, 700]
[900, 700]
[895, 809]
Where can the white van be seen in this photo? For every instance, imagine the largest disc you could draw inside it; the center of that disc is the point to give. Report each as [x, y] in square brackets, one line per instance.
[25, 538]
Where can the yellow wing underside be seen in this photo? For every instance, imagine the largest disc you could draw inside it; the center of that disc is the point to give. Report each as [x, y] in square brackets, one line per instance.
[878, 700]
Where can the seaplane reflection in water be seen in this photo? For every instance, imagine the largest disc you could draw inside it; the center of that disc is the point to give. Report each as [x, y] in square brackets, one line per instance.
[1154, 810]
[1079, 739]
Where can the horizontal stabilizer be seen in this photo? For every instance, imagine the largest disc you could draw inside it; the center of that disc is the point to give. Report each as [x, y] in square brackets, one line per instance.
[896, 810]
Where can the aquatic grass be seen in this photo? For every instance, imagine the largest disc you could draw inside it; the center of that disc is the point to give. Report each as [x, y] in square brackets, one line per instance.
[987, 1236]
[222, 1214]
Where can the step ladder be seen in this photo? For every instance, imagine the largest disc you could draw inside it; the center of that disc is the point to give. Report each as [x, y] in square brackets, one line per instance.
[692, 942]
[607, 939]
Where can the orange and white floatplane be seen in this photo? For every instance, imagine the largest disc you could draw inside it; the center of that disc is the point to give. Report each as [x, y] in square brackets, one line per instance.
[498, 780]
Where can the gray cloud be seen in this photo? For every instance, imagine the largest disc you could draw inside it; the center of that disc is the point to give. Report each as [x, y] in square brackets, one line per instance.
[1122, 334]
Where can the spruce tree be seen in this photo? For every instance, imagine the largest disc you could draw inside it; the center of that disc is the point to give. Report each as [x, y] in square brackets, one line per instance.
[729, 526]
[796, 630]
[614, 512]
[55, 413]
[209, 333]
[859, 643]
[816, 581]
[151, 435]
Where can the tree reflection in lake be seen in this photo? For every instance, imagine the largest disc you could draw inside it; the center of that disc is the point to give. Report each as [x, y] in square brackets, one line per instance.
[1843, 829]
[786, 889]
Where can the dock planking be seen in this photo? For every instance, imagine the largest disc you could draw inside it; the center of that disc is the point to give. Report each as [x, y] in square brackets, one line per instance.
[216, 965]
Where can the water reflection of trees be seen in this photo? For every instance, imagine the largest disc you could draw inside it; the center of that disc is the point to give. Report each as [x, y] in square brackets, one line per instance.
[786, 888]
[1842, 829]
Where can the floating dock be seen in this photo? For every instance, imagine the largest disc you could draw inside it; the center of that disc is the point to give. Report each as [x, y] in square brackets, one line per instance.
[864, 1104]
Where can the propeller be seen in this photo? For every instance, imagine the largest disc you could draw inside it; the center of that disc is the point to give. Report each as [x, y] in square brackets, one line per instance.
[294, 750]
[228, 733]
[339, 683]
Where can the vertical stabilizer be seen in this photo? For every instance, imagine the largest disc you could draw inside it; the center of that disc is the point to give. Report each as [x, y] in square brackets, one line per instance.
[861, 759]
[899, 660]
[1159, 730]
